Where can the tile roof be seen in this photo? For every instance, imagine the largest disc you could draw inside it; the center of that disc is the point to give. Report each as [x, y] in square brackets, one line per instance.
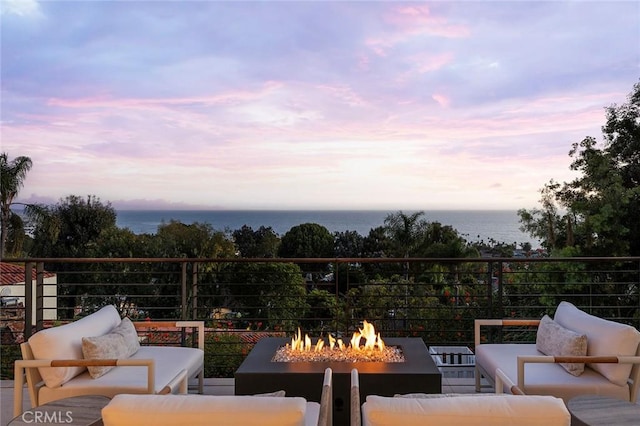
[12, 273]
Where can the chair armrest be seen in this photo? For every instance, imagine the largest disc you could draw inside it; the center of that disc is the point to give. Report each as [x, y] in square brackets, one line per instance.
[501, 379]
[175, 324]
[501, 323]
[21, 365]
[524, 359]
[325, 417]
[355, 399]
[180, 382]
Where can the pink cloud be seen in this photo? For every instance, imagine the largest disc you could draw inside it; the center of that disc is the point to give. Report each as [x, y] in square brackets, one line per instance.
[427, 63]
[227, 98]
[442, 100]
[419, 20]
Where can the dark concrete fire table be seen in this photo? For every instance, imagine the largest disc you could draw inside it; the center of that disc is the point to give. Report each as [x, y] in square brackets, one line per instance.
[259, 374]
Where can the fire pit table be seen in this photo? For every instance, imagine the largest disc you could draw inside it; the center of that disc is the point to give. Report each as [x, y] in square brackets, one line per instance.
[259, 374]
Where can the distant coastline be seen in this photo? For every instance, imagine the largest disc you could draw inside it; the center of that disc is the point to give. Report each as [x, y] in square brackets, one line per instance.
[473, 225]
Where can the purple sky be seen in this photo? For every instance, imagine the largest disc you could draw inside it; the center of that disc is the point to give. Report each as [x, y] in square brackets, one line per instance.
[309, 105]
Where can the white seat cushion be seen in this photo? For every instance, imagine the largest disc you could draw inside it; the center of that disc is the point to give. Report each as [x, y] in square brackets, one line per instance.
[604, 338]
[545, 379]
[201, 410]
[169, 361]
[65, 342]
[473, 410]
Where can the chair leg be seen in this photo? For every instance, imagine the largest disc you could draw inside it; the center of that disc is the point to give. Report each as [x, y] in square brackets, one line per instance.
[478, 377]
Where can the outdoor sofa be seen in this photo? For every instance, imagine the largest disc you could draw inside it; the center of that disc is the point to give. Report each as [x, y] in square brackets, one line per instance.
[100, 354]
[575, 354]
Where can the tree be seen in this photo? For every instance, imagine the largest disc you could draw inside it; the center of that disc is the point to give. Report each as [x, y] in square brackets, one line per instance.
[261, 243]
[71, 227]
[377, 243]
[270, 292]
[444, 241]
[176, 239]
[307, 240]
[348, 244]
[602, 204]
[12, 176]
[406, 231]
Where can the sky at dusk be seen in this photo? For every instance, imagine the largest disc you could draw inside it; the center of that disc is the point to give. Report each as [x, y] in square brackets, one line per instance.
[308, 104]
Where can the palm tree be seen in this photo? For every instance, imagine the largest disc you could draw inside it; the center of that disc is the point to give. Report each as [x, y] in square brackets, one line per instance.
[407, 232]
[12, 175]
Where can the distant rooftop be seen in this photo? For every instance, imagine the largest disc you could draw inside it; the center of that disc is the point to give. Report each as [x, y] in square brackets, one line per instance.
[11, 274]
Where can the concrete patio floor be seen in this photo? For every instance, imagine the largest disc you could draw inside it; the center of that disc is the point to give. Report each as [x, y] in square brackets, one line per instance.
[214, 387]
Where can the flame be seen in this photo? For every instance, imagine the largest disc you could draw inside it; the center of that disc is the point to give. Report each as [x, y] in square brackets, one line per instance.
[368, 332]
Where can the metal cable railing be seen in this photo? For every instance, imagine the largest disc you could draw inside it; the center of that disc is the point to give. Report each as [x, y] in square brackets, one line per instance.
[242, 300]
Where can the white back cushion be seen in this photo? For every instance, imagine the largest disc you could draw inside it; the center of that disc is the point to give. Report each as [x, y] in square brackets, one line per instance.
[201, 410]
[604, 338]
[65, 342]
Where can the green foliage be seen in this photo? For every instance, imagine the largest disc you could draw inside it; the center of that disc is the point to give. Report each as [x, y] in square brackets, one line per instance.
[8, 354]
[349, 275]
[273, 293]
[348, 244]
[325, 313]
[262, 243]
[223, 353]
[603, 202]
[307, 240]
[12, 176]
[406, 231]
[15, 236]
[72, 227]
[196, 240]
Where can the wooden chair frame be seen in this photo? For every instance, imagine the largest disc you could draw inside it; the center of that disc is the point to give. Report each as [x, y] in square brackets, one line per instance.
[633, 381]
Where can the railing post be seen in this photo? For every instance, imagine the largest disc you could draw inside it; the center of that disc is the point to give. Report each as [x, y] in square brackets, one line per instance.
[28, 299]
[336, 278]
[194, 291]
[500, 290]
[39, 296]
[183, 288]
[490, 289]
[499, 302]
[638, 289]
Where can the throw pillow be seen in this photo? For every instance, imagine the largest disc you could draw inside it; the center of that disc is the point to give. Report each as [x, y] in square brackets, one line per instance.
[129, 335]
[555, 340]
[121, 342]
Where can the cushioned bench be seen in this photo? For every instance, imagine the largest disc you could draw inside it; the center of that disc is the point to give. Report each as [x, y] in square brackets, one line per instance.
[575, 353]
[239, 410]
[101, 355]
[452, 410]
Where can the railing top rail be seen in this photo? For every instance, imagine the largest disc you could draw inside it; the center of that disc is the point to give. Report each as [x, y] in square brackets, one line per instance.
[321, 259]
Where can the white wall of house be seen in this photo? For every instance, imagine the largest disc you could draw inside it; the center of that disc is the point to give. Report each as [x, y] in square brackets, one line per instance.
[50, 301]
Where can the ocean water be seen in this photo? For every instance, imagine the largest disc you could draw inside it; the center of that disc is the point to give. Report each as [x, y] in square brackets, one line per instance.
[473, 225]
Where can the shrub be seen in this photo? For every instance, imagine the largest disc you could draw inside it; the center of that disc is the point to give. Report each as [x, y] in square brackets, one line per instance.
[223, 354]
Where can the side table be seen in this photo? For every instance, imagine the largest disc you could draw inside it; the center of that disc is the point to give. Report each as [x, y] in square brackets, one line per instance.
[594, 410]
[77, 410]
